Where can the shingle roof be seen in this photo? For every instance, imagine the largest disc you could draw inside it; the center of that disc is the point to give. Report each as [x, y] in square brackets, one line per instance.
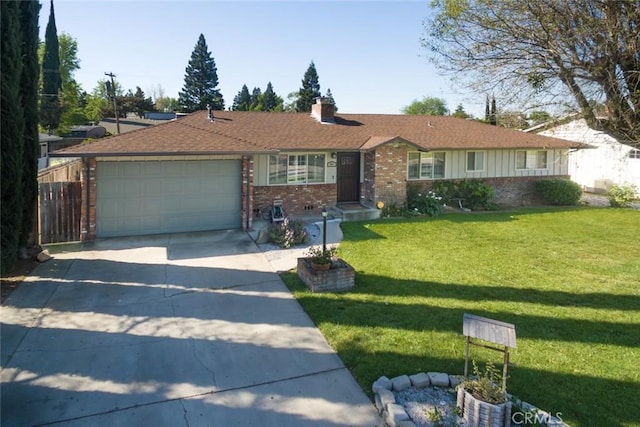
[240, 132]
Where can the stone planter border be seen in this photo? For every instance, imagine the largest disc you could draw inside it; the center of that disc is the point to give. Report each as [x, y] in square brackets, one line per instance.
[394, 414]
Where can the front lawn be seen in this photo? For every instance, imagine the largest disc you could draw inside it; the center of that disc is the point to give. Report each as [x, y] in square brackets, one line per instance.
[569, 279]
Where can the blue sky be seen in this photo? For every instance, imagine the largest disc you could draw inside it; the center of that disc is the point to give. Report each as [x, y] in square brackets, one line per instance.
[367, 52]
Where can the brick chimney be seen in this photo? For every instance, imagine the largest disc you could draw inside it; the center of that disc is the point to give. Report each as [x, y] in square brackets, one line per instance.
[323, 110]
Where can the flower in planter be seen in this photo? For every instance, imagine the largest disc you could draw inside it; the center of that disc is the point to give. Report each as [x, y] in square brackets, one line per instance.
[317, 255]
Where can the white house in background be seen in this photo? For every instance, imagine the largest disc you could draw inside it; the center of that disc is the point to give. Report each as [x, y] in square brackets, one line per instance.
[609, 162]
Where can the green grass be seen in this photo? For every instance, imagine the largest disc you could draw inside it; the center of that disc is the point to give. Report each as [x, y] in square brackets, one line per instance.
[569, 279]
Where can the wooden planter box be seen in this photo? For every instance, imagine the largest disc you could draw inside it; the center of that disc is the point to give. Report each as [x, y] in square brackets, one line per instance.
[340, 277]
[476, 412]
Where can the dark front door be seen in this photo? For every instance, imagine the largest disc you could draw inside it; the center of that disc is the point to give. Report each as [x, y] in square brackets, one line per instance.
[348, 179]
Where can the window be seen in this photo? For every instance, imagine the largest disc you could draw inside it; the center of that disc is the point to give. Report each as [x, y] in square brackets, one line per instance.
[296, 168]
[531, 159]
[426, 165]
[634, 154]
[475, 161]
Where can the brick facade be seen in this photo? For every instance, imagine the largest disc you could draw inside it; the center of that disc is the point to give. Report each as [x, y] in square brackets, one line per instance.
[246, 209]
[296, 199]
[385, 175]
[89, 198]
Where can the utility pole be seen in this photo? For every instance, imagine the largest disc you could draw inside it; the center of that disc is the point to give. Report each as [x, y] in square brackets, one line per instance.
[112, 93]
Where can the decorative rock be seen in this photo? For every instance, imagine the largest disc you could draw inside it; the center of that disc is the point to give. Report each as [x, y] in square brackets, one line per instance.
[454, 380]
[386, 398]
[401, 382]
[420, 380]
[382, 383]
[439, 379]
[395, 414]
[44, 256]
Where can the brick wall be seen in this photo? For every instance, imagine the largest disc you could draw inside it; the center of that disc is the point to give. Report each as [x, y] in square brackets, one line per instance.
[296, 199]
[385, 175]
[247, 193]
[88, 230]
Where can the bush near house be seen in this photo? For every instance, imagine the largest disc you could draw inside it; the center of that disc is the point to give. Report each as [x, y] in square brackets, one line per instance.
[475, 194]
[621, 196]
[561, 192]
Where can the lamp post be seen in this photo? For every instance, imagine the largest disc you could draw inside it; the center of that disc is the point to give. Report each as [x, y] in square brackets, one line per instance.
[324, 229]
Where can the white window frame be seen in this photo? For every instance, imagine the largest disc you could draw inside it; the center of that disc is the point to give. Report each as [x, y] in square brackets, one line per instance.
[634, 154]
[297, 169]
[532, 160]
[424, 158]
[483, 156]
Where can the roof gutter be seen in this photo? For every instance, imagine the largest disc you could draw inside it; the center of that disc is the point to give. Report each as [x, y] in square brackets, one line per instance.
[160, 154]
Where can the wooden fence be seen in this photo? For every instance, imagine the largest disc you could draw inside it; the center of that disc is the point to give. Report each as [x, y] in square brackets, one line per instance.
[59, 211]
[65, 172]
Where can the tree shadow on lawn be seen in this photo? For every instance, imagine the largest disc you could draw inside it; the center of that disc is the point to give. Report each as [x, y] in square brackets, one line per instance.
[415, 316]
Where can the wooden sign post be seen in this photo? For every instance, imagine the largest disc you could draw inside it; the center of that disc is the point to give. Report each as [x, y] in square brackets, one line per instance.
[493, 331]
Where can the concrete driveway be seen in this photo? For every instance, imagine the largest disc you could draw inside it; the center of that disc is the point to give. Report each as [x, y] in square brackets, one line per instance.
[187, 329]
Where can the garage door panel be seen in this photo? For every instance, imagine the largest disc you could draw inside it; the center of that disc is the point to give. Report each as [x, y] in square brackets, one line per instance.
[168, 196]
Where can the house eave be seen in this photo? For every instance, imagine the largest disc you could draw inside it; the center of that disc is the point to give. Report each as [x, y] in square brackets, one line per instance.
[160, 153]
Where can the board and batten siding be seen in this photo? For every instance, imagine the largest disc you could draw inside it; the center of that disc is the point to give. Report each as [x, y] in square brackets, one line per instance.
[502, 164]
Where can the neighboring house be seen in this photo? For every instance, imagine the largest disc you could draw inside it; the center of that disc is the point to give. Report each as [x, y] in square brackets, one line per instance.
[44, 140]
[208, 173]
[609, 162]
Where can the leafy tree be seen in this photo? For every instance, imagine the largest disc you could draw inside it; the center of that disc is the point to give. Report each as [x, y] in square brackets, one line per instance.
[270, 101]
[459, 112]
[167, 104]
[538, 117]
[428, 106]
[292, 101]
[309, 91]
[50, 109]
[242, 101]
[201, 81]
[572, 50]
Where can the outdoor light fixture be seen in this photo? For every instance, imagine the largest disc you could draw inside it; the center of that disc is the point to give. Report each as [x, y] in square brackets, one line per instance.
[333, 155]
[324, 229]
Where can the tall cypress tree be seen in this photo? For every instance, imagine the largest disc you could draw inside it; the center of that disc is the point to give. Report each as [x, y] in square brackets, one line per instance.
[11, 131]
[309, 91]
[329, 96]
[29, 92]
[200, 81]
[242, 101]
[50, 109]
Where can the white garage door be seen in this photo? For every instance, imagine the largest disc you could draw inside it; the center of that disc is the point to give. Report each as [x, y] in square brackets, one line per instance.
[135, 198]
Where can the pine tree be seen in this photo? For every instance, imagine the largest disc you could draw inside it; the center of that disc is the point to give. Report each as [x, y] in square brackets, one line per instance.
[492, 116]
[487, 111]
[242, 101]
[201, 81]
[29, 92]
[11, 132]
[309, 91]
[256, 94]
[50, 109]
[270, 101]
[329, 96]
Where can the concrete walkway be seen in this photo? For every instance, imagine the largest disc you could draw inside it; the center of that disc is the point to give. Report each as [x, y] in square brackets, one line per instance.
[188, 329]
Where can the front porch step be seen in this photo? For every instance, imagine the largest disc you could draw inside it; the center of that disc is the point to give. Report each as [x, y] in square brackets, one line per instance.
[354, 212]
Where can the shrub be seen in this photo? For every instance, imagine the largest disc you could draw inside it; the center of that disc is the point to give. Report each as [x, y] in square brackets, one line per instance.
[486, 385]
[621, 196]
[560, 192]
[287, 233]
[393, 210]
[475, 194]
[429, 203]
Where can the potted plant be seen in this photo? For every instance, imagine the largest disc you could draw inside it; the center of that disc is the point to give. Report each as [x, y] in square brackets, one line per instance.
[320, 258]
[481, 399]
